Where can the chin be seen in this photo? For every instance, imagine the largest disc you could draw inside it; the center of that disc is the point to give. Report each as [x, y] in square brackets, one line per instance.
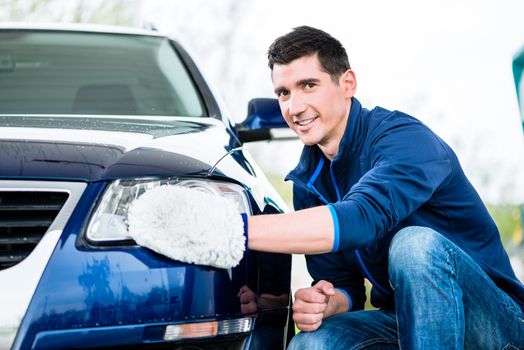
[308, 140]
[309, 143]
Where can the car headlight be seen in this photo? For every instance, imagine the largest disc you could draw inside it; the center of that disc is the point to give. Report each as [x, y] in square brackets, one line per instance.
[109, 222]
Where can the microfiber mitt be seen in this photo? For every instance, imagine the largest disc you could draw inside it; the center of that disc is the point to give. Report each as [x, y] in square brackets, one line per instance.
[188, 225]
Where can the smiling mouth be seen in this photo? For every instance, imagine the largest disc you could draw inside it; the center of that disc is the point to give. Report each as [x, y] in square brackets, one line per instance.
[305, 122]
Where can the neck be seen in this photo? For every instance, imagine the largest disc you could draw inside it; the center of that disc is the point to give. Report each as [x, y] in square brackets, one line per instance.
[331, 146]
[330, 150]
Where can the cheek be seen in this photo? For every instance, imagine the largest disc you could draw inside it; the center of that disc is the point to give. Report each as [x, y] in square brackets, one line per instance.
[284, 113]
[321, 101]
[334, 104]
[288, 122]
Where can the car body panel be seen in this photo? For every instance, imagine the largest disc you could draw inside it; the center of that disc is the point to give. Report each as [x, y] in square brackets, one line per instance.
[86, 150]
[124, 286]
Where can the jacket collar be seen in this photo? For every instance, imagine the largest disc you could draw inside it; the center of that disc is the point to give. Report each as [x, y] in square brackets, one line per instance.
[350, 143]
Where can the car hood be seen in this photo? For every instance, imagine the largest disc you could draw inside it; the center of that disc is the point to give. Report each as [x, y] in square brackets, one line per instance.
[99, 148]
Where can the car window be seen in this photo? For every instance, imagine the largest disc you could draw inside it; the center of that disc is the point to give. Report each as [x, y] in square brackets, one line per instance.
[94, 73]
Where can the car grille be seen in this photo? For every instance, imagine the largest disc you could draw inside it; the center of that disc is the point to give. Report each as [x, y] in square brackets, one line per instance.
[24, 219]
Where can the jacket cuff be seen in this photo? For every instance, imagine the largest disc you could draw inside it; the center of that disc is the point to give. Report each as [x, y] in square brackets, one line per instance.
[336, 238]
[347, 296]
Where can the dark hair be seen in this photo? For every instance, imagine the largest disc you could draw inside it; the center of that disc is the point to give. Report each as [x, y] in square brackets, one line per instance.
[305, 41]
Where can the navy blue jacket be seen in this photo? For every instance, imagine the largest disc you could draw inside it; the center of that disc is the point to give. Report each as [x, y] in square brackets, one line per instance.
[392, 171]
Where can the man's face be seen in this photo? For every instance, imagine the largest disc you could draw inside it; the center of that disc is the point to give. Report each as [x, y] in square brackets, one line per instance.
[312, 104]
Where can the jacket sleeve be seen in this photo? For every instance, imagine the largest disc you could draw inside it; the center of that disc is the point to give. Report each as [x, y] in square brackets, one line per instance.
[333, 267]
[345, 277]
[408, 163]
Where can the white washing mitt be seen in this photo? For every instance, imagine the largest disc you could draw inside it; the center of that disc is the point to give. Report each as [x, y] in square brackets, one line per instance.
[188, 225]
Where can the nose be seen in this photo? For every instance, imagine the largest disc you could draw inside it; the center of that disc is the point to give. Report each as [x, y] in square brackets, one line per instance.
[296, 104]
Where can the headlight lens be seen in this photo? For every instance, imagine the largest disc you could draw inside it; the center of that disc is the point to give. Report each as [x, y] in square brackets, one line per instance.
[109, 222]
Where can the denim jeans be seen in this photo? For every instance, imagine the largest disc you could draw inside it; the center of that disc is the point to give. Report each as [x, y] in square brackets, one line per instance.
[443, 300]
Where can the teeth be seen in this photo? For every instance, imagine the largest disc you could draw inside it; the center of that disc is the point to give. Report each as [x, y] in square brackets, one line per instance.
[305, 122]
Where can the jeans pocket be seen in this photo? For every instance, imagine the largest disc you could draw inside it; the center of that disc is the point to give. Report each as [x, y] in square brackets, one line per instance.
[509, 346]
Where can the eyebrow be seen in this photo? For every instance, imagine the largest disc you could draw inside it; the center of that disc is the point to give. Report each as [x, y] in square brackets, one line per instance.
[300, 82]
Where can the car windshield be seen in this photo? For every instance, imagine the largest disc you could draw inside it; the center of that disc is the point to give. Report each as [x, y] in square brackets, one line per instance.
[93, 74]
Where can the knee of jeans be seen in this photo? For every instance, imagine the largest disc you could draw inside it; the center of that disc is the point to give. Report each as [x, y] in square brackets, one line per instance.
[413, 247]
[306, 340]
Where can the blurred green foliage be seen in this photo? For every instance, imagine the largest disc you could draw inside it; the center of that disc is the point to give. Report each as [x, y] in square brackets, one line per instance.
[508, 218]
[284, 188]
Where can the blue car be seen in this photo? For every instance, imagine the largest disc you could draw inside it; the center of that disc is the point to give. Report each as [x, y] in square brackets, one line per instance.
[91, 118]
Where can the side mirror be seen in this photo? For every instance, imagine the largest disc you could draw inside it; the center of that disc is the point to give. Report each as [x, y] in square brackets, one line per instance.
[263, 118]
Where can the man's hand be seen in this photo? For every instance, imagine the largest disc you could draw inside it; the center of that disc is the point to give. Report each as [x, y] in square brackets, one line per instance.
[311, 304]
[248, 300]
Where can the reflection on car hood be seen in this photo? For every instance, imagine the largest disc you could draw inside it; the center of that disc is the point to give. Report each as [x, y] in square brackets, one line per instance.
[95, 148]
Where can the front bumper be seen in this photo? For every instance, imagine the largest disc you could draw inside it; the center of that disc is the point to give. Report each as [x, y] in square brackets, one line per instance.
[119, 296]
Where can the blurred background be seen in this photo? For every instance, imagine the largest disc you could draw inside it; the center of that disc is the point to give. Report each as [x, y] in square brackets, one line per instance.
[446, 62]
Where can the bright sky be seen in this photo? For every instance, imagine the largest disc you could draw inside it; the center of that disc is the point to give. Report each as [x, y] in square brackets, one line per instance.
[447, 62]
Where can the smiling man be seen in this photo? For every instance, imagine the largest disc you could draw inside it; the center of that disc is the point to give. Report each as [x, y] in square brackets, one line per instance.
[378, 195]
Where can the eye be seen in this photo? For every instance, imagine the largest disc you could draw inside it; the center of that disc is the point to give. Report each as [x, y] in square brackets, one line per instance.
[309, 85]
[282, 93]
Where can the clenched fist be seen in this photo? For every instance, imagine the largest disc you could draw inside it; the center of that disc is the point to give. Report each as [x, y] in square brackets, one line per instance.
[311, 304]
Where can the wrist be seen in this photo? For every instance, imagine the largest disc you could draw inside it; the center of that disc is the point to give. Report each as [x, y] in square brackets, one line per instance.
[338, 303]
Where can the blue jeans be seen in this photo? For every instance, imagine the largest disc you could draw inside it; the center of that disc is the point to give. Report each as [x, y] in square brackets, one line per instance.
[443, 300]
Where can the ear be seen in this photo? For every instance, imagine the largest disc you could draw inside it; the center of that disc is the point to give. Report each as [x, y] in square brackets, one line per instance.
[348, 81]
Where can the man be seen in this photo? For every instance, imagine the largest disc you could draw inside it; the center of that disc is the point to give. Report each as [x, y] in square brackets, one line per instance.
[390, 203]
[379, 196]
